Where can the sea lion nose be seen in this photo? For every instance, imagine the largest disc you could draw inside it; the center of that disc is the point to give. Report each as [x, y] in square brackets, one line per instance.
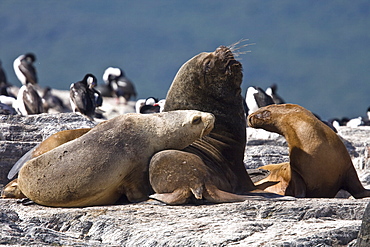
[250, 120]
[209, 120]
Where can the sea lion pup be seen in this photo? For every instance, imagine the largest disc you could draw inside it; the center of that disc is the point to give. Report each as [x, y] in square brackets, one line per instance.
[11, 190]
[319, 162]
[210, 82]
[188, 179]
[110, 160]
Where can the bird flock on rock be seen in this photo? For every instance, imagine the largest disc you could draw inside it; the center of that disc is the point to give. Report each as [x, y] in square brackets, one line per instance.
[85, 97]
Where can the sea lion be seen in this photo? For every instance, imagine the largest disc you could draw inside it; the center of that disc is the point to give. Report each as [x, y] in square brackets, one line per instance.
[181, 177]
[110, 160]
[319, 162]
[210, 82]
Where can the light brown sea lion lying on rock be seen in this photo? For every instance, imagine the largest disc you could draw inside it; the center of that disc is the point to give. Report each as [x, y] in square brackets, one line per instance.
[110, 160]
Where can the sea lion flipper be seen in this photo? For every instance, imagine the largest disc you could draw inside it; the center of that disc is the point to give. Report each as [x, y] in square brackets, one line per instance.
[266, 184]
[11, 190]
[19, 164]
[179, 196]
[215, 195]
[297, 187]
[270, 196]
[354, 186]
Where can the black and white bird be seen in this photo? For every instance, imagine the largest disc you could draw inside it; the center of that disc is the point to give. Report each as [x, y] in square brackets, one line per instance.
[149, 105]
[118, 85]
[82, 98]
[97, 95]
[272, 92]
[28, 101]
[98, 99]
[24, 69]
[52, 103]
[7, 105]
[7, 110]
[256, 98]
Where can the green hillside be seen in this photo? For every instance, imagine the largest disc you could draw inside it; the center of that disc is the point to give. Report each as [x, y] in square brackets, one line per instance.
[316, 51]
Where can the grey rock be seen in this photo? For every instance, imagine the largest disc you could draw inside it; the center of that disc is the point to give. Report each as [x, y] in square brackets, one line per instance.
[364, 235]
[302, 222]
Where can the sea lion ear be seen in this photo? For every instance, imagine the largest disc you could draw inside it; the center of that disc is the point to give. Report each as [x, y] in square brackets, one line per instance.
[263, 115]
[196, 120]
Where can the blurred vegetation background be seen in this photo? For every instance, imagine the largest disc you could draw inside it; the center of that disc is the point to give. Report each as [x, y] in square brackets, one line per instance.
[317, 52]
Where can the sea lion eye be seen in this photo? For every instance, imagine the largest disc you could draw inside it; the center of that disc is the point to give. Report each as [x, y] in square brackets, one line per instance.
[207, 66]
[196, 120]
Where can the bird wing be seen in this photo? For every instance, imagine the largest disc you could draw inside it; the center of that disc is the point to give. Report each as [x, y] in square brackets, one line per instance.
[126, 85]
[28, 71]
[32, 100]
[262, 98]
[79, 97]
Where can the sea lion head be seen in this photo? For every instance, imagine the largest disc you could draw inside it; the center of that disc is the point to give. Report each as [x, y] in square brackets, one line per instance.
[260, 118]
[275, 118]
[209, 79]
[177, 129]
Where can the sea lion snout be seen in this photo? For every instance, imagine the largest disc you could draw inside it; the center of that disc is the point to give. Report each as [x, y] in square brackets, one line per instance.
[209, 122]
[226, 56]
[258, 117]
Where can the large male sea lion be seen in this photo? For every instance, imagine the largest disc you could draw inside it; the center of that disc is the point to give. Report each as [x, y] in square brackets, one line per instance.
[110, 160]
[319, 162]
[211, 82]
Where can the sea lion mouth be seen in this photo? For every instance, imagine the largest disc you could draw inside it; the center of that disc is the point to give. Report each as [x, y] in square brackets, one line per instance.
[250, 121]
[225, 55]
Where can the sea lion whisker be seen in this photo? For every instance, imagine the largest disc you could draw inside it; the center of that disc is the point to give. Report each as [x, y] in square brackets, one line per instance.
[232, 46]
[237, 54]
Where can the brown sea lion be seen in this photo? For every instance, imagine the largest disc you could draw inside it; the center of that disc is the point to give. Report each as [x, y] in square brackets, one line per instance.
[181, 177]
[110, 160]
[210, 82]
[319, 162]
